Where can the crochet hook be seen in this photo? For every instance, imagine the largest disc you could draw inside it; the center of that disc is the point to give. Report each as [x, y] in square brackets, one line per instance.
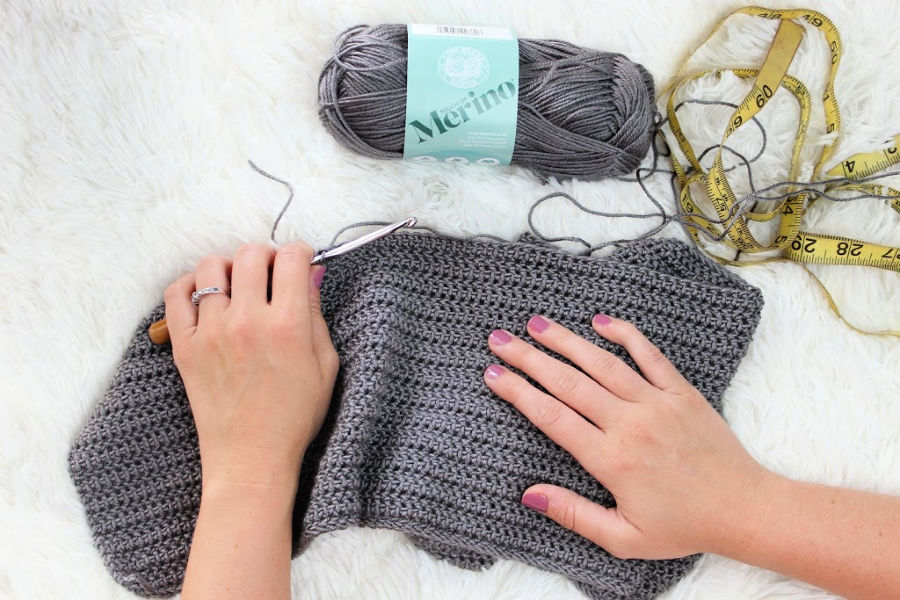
[362, 240]
[159, 331]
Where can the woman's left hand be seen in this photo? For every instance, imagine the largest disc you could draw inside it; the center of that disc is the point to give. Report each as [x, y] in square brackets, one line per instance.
[258, 373]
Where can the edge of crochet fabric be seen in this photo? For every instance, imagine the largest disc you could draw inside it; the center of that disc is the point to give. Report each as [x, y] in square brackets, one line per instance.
[414, 441]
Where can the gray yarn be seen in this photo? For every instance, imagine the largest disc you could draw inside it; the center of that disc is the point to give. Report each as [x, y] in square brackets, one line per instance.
[414, 440]
[582, 113]
[287, 203]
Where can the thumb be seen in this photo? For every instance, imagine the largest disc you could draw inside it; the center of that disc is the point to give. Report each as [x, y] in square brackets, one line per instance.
[321, 339]
[605, 527]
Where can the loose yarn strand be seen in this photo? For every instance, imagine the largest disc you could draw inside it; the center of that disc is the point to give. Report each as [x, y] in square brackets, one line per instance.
[744, 204]
[286, 204]
[640, 176]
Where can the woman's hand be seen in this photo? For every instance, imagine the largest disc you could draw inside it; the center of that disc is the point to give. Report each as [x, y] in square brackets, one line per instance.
[683, 483]
[677, 472]
[258, 375]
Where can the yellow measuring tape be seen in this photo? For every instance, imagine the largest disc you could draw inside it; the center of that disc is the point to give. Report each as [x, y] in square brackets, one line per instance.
[789, 241]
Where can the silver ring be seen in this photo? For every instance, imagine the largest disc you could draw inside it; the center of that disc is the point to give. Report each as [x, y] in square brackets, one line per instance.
[197, 296]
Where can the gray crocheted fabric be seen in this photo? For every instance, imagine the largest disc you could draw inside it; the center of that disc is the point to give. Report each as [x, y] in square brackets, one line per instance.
[415, 441]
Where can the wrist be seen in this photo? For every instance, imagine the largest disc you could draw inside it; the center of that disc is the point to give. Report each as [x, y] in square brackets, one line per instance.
[254, 499]
[748, 515]
[250, 476]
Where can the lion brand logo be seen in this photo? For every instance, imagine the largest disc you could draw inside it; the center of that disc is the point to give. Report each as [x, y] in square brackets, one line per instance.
[463, 67]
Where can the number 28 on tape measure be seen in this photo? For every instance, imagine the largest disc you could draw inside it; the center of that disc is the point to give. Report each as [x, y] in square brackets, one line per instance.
[789, 242]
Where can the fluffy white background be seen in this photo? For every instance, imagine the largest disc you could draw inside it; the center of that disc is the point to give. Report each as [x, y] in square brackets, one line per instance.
[125, 135]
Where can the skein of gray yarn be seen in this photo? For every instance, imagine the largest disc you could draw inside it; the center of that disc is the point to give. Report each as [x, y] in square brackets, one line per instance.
[582, 113]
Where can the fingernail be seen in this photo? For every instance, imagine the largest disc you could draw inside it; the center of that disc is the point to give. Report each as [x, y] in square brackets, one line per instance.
[538, 323]
[601, 320]
[317, 277]
[536, 502]
[494, 371]
[498, 336]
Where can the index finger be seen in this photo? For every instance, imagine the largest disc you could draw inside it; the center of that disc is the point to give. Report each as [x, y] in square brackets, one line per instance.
[560, 423]
[290, 277]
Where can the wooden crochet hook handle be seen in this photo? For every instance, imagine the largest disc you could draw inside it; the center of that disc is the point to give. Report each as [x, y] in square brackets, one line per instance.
[159, 331]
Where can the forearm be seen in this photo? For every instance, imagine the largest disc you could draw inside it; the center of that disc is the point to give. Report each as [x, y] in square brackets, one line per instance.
[842, 540]
[242, 544]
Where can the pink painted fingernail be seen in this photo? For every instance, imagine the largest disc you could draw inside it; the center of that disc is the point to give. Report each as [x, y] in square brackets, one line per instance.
[494, 371]
[498, 336]
[536, 502]
[601, 320]
[538, 323]
[318, 276]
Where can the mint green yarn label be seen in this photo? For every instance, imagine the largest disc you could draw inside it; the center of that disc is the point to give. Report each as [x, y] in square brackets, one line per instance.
[462, 94]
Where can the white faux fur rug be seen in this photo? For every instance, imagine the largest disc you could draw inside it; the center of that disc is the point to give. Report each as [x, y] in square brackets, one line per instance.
[125, 136]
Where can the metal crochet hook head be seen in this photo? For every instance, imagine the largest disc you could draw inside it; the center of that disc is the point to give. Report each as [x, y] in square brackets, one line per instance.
[362, 240]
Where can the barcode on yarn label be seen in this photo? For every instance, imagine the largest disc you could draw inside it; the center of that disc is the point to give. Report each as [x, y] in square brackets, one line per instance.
[490, 33]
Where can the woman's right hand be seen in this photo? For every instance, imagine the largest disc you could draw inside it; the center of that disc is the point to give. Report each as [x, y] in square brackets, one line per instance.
[682, 481]
[678, 473]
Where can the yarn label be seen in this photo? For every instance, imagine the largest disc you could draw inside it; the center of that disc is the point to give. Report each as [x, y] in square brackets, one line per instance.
[462, 94]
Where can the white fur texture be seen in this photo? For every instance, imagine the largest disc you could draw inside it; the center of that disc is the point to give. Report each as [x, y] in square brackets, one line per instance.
[125, 135]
